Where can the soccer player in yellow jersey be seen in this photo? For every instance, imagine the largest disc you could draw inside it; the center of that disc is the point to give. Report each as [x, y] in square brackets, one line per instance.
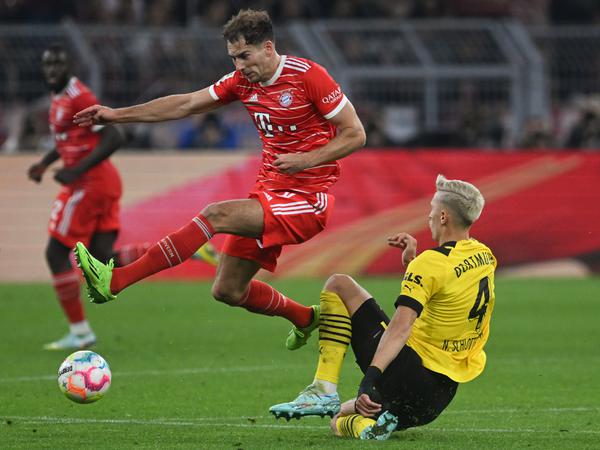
[412, 364]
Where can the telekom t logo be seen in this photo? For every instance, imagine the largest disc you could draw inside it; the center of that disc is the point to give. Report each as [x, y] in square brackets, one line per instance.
[263, 122]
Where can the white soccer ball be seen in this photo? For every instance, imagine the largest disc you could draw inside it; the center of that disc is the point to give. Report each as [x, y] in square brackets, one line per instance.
[84, 377]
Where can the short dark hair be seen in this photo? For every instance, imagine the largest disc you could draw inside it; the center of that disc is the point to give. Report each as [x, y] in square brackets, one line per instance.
[252, 25]
[56, 47]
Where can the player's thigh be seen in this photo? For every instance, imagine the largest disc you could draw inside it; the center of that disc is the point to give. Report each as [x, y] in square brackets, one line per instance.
[232, 278]
[239, 217]
[352, 294]
[368, 324]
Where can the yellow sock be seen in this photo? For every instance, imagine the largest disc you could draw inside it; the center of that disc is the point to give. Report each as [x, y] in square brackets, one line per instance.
[335, 332]
[353, 424]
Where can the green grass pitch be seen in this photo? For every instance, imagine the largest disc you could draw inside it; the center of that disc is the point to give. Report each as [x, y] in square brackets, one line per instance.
[189, 372]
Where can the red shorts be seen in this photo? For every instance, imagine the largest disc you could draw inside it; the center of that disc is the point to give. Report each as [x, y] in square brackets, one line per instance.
[290, 218]
[77, 214]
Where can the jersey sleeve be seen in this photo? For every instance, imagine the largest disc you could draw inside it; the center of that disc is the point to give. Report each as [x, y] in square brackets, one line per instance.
[423, 277]
[323, 91]
[225, 90]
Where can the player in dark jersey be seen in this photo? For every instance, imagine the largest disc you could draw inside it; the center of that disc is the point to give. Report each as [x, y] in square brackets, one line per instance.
[434, 341]
[306, 124]
[87, 206]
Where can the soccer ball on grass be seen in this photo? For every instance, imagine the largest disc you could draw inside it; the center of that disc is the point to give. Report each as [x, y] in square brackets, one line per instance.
[84, 377]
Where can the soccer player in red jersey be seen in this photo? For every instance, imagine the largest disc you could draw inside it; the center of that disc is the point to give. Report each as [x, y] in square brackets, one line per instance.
[87, 206]
[305, 122]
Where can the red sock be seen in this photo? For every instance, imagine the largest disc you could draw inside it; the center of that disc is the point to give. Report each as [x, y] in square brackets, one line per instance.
[66, 285]
[168, 252]
[261, 298]
[130, 253]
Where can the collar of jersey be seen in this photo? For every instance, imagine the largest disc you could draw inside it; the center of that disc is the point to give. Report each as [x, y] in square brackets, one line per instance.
[449, 244]
[67, 86]
[273, 79]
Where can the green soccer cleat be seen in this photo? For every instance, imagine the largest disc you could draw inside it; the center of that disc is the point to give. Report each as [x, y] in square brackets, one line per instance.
[297, 337]
[72, 341]
[310, 402]
[97, 275]
[382, 429]
[207, 254]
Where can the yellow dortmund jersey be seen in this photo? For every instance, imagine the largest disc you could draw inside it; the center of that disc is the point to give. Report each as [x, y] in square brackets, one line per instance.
[454, 284]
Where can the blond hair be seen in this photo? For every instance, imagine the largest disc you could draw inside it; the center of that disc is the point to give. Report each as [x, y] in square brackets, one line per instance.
[461, 197]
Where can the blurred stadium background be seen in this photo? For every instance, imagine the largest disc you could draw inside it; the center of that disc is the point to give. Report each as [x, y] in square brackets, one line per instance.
[505, 93]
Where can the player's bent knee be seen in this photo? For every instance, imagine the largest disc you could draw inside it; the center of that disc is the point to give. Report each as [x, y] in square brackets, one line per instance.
[213, 212]
[338, 283]
[224, 295]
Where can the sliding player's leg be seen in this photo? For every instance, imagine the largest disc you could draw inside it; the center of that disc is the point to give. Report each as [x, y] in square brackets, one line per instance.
[366, 428]
[340, 295]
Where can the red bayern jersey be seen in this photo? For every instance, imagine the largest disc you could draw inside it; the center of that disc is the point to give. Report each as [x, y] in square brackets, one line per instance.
[290, 112]
[74, 143]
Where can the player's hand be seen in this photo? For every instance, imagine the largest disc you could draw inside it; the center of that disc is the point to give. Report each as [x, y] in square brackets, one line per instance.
[291, 163]
[369, 400]
[366, 407]
[94, 115]
[406, 242]
[67, 175]
[36, 172]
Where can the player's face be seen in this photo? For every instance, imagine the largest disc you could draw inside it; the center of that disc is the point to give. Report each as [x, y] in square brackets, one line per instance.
[56, 70]
[254, 61]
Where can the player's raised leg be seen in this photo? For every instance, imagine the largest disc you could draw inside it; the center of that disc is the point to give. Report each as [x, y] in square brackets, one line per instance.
[104, 282]
[241, 217]
[235, 286]
[340, 298]
[66, 285]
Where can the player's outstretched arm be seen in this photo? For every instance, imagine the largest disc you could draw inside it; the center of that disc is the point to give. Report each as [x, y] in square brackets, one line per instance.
[111, 139]
[161, 109]
[36, 171]
[350, 137]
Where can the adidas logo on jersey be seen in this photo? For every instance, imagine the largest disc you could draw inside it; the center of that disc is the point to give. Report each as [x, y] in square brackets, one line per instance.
[253, 98]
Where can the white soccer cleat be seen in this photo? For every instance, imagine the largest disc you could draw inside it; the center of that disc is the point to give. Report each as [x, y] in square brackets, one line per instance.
[72, 341]
[310, 402]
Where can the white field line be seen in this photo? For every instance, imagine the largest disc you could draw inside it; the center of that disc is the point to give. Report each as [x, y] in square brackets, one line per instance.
[524, 410]
[190, 371]
[203, 422]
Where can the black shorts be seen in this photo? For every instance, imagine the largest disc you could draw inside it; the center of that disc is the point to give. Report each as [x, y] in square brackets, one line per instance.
[415, 394]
